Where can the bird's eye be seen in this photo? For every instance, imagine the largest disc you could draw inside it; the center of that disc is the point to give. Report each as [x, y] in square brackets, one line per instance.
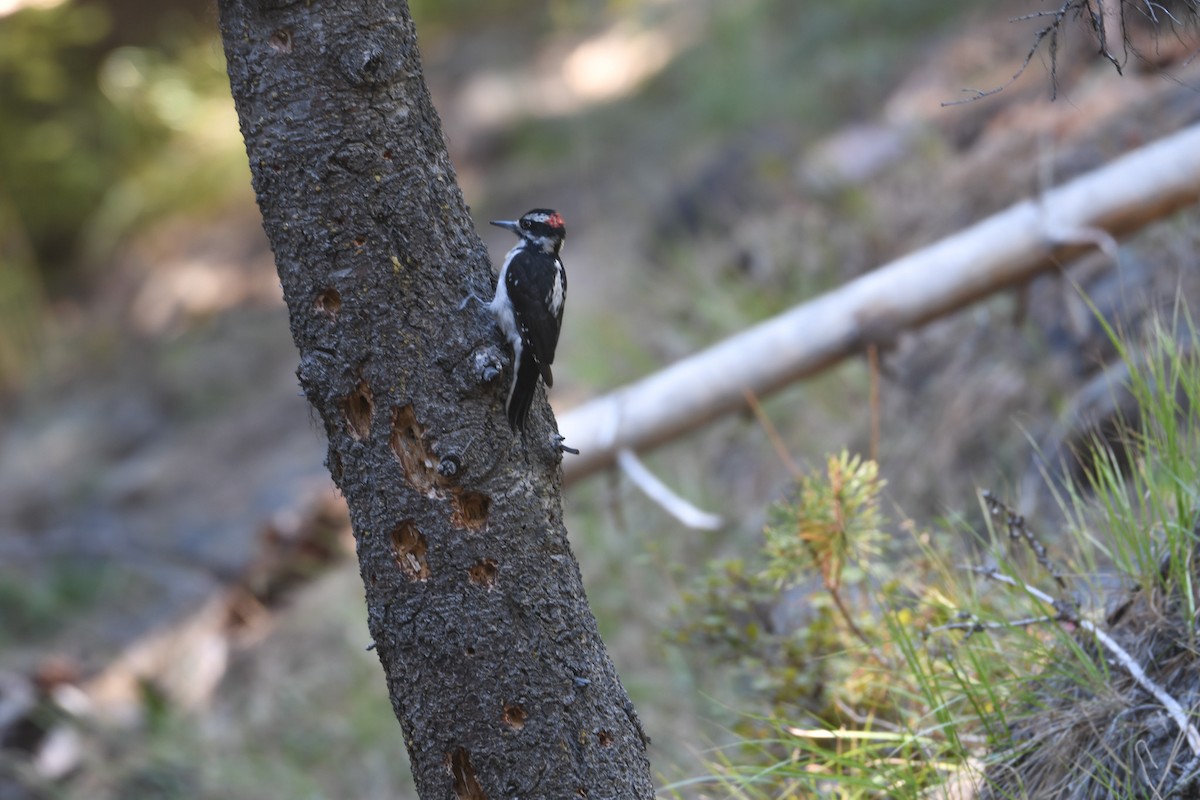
[525, 224]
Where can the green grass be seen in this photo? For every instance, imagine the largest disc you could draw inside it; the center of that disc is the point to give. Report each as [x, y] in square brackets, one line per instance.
[913, 669]
[33, 605]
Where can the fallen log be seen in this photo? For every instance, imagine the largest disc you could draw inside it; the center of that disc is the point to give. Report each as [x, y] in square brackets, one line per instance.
[1003, 250]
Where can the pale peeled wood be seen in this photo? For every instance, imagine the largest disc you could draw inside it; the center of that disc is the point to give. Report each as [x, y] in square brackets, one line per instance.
[1005, 249]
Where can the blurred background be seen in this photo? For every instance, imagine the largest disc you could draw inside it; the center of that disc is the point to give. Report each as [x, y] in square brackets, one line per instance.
[180, 614]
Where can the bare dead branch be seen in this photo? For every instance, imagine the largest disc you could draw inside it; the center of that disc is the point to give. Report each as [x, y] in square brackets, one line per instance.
[666, 498]
[1173, 708]
[1050, 30]
[772, 433]
[1018, 530]
[973, 625]
[1186, 784]
[1106, 19]
[1098, 19]
[1154, 18]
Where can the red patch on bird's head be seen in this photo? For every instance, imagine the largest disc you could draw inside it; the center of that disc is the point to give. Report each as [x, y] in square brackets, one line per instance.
[555, 221]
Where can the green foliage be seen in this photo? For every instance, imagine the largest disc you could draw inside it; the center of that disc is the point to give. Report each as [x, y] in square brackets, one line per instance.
[840, 717]
[32, 605]
[1150, 480]
[1131, 555]
[94, 140]
[56, 130]
[909, 669]
[835, 518]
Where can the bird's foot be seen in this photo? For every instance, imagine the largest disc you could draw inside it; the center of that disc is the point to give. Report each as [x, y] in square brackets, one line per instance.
[467, 301]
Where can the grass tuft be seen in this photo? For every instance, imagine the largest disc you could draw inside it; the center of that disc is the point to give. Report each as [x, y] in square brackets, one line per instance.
[1056, 663]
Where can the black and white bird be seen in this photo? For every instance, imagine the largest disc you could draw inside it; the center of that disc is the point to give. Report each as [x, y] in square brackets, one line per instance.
[528, 305]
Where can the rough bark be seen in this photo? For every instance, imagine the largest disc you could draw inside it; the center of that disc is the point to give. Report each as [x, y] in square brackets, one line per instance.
[475, 602]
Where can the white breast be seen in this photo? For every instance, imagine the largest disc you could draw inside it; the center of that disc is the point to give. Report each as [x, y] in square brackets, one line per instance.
[502, 308]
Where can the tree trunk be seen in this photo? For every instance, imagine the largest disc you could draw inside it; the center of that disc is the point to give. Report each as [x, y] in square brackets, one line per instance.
[475, 602]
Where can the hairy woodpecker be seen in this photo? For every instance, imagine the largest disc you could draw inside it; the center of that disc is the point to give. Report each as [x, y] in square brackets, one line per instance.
[528, 305]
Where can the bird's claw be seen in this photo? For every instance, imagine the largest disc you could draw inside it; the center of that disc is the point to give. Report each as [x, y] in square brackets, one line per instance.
[467, 300]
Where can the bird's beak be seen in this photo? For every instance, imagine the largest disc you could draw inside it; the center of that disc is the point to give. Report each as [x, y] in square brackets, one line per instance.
[507, 224]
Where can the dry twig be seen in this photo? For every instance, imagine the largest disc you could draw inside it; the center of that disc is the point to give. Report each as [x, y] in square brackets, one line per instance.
[973, 625]
[1068, 614]
[1018, 530]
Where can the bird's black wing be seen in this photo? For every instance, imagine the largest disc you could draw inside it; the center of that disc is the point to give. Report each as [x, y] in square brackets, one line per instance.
[529, 290]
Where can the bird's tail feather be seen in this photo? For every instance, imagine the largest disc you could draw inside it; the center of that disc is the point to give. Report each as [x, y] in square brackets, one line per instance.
[520, 397]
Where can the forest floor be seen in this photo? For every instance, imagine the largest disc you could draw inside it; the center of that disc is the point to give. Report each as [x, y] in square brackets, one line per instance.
[176, 568]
